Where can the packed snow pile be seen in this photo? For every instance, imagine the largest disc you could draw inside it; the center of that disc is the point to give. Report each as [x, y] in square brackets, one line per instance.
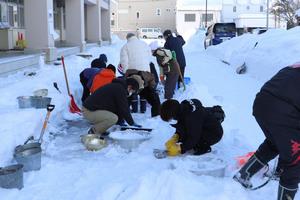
[263, 54]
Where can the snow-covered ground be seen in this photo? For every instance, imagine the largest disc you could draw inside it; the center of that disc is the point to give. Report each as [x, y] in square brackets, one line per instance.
[70, 172]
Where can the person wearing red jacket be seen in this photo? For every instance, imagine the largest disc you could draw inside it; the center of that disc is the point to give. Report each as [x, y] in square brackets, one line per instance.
[105, 76]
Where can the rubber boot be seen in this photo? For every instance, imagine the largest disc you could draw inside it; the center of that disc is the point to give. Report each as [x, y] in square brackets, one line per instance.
[252, 166]
[143, 105]
[134, 104]
[285, 193]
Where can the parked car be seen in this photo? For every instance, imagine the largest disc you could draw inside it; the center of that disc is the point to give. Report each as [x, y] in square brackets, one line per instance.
[150, 33]
[259, 31]
[218, 33]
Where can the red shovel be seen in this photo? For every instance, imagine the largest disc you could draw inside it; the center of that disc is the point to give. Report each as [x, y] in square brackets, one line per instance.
[72, 106]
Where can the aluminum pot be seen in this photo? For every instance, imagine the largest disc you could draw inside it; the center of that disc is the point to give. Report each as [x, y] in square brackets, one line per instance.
[29, 155]
[33, 101]
[11, 177]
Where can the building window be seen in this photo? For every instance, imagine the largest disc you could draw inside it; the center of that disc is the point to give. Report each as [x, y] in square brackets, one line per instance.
[158, 12]
[189, 17]
[3, 13]
[210, 17]
[112, 13]
[112, 22]
[234, 9]
[168, 10]
[248, 7]
[137, 15]
[261, 9]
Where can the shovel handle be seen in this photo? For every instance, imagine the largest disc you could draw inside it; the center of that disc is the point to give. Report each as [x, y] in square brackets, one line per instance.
[50, 107]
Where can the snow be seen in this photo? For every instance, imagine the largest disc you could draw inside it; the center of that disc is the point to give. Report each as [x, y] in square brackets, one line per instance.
[298, 12]
[69, 171]
[129, 135]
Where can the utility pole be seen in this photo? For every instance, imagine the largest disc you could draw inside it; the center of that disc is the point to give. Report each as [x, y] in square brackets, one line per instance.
[267, 26]
[206, 14]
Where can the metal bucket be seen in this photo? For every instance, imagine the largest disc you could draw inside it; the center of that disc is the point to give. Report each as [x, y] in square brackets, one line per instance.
[33, 101]
[29, 155]
[11, 177]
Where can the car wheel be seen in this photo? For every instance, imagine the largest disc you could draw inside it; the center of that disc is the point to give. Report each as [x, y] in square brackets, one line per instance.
[145, 37]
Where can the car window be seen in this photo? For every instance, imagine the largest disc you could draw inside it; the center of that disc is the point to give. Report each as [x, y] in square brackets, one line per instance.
[144, 30]
[156, 30]
[224, 28]
[150, 30]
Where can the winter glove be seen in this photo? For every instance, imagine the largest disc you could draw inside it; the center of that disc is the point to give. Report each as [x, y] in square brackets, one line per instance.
[136, 125]
[121, 69]
[174, 150]
[172, 141]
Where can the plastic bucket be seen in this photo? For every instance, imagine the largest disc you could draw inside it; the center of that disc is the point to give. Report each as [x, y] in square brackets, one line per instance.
[11, 176]
[29, 155]
[33, 101]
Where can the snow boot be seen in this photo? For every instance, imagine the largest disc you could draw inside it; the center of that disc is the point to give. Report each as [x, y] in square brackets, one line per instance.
[134, 105]
[252, 166]
[143, 104]
[285, 193]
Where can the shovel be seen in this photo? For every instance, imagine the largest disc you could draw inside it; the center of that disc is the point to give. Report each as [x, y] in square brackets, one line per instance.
[72, 106]
[174, 60]
[49, 110]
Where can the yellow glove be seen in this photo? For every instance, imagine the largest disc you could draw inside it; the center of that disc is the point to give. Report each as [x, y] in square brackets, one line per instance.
[172, 141]
[174, 150]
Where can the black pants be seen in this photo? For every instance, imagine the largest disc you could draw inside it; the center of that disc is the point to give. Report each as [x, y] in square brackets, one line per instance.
[86, 91]
[283, 141]
[152, 98]
[154, 72]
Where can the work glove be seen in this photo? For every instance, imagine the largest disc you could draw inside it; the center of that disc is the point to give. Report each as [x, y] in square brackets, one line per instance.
[174, 150]
[136, 125]
[172, 141]
[121, 69]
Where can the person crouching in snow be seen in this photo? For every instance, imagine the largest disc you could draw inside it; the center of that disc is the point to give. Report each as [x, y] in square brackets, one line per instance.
[109, 104]
[276, 109]
[88, 74]
[196, 128]
[167, 68]
[103, 77]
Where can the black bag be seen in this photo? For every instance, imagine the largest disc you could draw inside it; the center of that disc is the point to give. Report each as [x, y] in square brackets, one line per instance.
[217, 112]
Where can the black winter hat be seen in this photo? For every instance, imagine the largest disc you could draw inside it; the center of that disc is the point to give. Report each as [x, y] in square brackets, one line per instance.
[103, 58]
[111, 67]
[134, 84]
[169, 110]
[96, 63]
[167, 33]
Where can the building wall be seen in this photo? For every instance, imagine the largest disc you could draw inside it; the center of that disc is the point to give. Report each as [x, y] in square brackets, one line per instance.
[188, 26]
[160, 14]
[228, 13]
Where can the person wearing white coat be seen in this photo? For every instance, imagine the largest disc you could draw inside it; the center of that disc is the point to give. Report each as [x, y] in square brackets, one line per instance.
[135, 58]
[135, 54]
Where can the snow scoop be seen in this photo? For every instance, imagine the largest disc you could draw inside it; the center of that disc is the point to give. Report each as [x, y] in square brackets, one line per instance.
[160, 153]
[73, 108]
[50, 108]
[123, 128]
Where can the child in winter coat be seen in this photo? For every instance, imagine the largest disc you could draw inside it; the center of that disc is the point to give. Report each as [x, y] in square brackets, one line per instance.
[167, 68]
[196, 128]
[103, 77]
[277, 111]
[88, 74]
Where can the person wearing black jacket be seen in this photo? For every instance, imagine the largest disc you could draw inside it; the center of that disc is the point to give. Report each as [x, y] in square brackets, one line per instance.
[109, 104]
[196, 127]
[277, 111]
[175, 44]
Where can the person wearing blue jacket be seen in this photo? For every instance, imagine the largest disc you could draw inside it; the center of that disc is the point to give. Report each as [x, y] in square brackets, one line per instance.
[88, 74]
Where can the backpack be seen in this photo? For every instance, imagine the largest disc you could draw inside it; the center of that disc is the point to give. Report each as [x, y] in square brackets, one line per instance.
[217, 112]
